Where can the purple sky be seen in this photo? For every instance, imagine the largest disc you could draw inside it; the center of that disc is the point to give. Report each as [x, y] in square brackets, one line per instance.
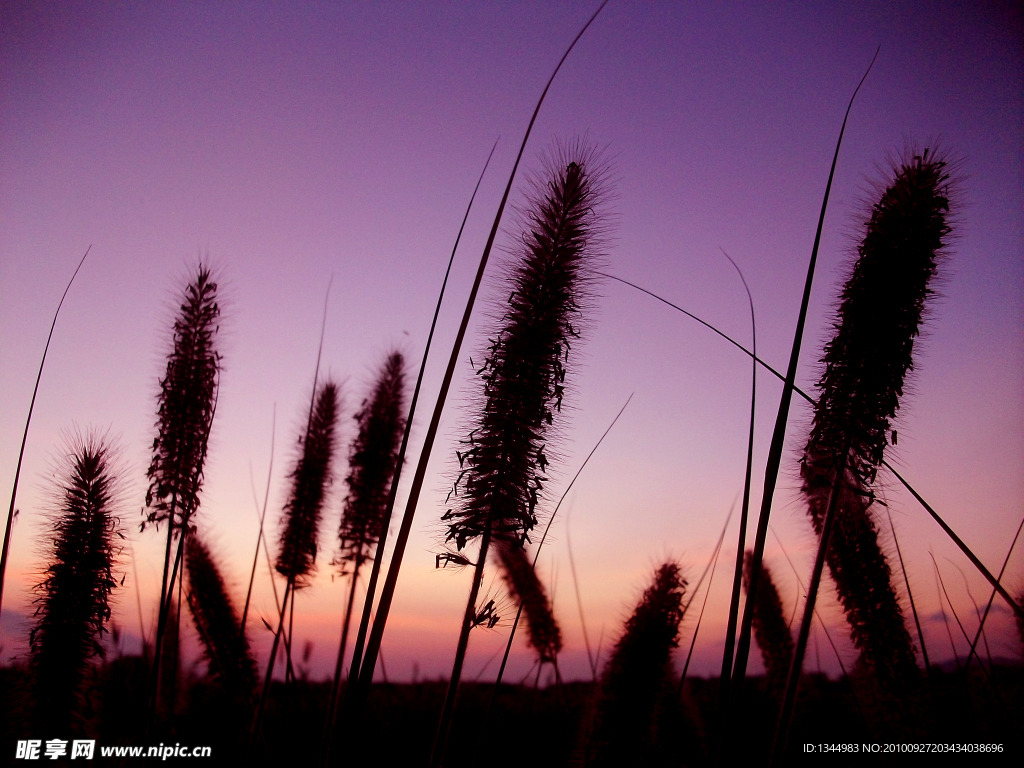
[290, 143]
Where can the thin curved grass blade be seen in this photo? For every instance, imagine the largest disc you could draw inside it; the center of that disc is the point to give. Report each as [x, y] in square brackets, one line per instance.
[24, 436]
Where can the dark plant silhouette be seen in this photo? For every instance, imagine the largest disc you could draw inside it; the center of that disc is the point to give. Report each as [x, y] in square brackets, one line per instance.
[865, 364]
[300, 524]
[502, 469]
[387, 593]
[310, 480]
[731, 706]
[185, 408]
[638, 674]
[999, 589]
[372, 460]
[224, 642]
[358, 685]
[593, 659]
[1020, 621]
[73, 599]
[770, 629]
[372, 464]
[523, 583]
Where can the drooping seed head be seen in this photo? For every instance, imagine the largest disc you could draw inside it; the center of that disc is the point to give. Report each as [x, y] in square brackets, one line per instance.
[224, 644]
[521, 578]
[770, 629]
[865, 365]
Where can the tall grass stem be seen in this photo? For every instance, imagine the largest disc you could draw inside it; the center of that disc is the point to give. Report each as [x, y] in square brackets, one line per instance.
[988, 606]
[263, 517]
[910, 595]
[713, 564]
[734, 603]
[796, 666]
[778, 440]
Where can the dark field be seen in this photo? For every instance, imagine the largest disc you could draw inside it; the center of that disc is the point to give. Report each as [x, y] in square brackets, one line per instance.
[535, 727]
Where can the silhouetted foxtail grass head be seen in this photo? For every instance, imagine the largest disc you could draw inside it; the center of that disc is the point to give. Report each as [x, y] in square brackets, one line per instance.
[73, 598]
[503, 460]
[770, 629]
[309, 483]
[638, 673]
[372, 459]
[185, 405]
[865, 365]
[536, 324]
[523, 583]
[224, 643]
[185, 408]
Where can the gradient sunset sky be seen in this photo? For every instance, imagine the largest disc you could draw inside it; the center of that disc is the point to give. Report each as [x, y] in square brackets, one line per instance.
[286, 143]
